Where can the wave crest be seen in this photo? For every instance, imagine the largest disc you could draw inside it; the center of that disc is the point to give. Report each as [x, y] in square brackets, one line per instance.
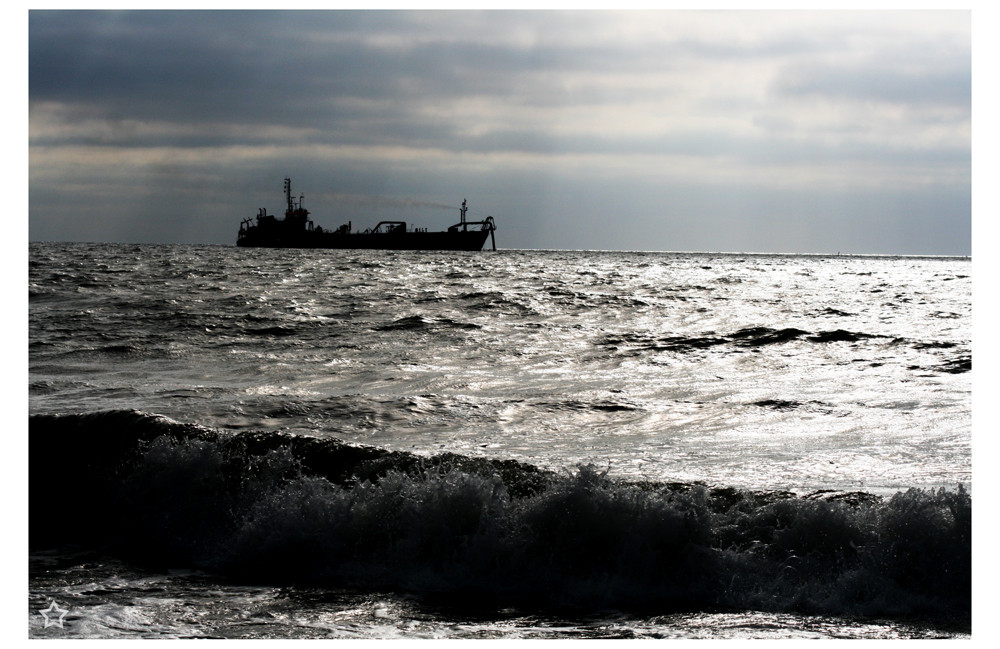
[287, 509]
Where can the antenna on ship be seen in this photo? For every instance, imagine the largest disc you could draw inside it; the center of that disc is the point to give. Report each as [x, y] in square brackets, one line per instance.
[464, 210]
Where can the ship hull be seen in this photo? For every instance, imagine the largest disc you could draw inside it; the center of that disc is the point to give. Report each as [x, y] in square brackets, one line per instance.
[471, 240]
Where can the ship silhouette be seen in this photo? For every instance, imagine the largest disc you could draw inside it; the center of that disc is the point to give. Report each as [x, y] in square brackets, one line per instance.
[296, 230]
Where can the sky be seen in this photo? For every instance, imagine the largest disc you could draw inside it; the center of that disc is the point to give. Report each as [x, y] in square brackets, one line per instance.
[716, 131]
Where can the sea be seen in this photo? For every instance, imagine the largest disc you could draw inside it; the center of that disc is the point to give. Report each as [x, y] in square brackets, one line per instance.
[519, 444]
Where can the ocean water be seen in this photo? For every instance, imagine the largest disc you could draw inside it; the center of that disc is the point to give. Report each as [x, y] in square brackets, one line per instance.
[519, 444]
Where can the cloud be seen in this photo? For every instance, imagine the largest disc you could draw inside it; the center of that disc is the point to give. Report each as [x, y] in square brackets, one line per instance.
[947, 86]
[403, 105]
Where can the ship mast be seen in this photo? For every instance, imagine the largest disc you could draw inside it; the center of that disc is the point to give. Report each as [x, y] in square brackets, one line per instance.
[288, 196]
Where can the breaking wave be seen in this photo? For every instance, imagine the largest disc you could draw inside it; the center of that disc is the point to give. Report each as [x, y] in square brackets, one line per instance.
[283, 509]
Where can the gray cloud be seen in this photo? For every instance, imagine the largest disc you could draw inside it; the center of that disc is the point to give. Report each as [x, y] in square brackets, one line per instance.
[944, 85]
[413, 107]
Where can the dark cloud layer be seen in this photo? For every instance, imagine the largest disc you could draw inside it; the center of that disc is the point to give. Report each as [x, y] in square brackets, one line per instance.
[830, 120]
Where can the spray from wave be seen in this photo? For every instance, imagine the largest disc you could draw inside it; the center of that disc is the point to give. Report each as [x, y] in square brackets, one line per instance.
[283, 509]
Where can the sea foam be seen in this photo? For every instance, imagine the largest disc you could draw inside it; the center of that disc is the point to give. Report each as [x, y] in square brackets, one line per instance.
[283, 509]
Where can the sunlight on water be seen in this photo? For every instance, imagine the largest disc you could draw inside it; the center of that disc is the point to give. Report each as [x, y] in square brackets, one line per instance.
[640, 380]
[733, 369]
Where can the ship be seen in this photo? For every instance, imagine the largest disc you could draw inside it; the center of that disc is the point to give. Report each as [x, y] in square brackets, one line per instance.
[296, 230]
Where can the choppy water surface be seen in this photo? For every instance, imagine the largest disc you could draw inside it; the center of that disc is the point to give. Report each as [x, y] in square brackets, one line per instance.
[747, 373]
[798, 372]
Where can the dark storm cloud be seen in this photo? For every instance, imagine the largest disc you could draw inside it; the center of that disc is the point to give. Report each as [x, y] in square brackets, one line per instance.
[188, 66]
[304, 71]
[319, 71]
[338, 71]
[154, 62]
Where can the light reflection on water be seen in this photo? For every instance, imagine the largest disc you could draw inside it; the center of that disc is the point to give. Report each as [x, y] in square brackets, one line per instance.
[554, 358]
[190, 606]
